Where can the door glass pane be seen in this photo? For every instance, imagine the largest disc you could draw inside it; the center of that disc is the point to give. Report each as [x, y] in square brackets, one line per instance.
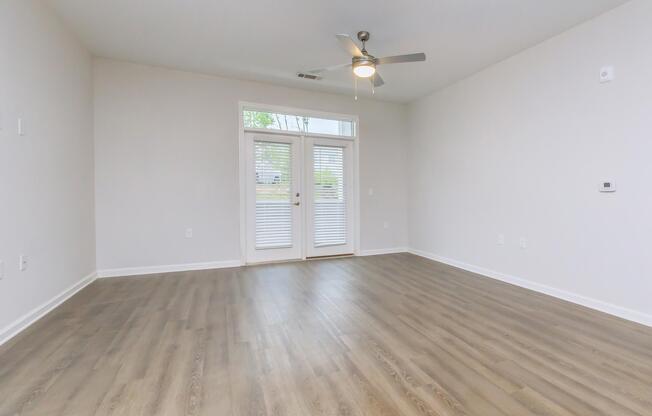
[273, 164]
[330, 225]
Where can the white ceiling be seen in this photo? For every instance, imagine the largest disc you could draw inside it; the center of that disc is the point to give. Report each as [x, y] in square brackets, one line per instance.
[270, 40]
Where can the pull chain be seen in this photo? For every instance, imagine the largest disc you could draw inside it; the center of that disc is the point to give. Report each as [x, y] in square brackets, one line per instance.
[355, 87]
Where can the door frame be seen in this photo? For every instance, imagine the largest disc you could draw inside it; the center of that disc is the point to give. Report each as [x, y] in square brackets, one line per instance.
[242, 166]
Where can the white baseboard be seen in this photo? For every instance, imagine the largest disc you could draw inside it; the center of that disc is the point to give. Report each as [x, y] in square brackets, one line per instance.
[37, 313]
[137, 271]
[377, 252]
[599, 305]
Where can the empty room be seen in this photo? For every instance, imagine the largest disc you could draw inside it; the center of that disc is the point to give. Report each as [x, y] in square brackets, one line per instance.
[227, 208]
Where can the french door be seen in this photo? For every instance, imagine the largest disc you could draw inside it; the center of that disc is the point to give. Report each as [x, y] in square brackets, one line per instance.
[329, 195]
[299, 197]
[274, 223]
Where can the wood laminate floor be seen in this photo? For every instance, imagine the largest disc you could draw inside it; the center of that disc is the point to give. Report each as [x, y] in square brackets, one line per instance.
[384, 335]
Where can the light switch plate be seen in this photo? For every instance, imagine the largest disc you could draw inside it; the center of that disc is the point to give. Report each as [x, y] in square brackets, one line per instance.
[22, 263]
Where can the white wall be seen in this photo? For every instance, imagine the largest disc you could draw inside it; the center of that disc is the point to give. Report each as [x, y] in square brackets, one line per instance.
[46, 176]
[520, 148]
[167, 159]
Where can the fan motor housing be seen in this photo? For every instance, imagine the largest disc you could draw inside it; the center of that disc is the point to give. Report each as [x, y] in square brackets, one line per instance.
[364, 60]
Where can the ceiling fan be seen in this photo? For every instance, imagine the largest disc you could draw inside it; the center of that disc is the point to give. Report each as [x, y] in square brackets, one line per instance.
[363, 64]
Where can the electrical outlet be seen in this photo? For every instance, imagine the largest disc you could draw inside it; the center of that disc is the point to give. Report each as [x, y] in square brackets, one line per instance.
[22, 263]
[371, 192]
[2, 269]
[501, 240]
[607, 74]
[523, 243]
[21, 127]
[607, 186]
[188, 232]
[385, 225]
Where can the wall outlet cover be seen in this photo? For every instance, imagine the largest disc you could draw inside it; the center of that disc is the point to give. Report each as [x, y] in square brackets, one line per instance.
[607, 186]
[607, 74]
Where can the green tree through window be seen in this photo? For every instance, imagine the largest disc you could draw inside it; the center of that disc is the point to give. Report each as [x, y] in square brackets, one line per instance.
[257, 120]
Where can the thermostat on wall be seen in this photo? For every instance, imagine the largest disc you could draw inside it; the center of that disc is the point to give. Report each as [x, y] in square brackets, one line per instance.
[607, 186]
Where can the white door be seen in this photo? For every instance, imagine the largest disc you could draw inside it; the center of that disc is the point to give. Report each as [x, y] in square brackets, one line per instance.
[329, 197]
[274, 212]
[299, 199]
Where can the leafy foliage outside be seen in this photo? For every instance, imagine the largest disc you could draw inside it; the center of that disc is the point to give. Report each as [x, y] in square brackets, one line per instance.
[257, 120]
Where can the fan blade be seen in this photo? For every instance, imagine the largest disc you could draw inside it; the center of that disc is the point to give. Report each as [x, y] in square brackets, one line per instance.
[328, 68]
[377, 80]
[414, 57]
[349, 45]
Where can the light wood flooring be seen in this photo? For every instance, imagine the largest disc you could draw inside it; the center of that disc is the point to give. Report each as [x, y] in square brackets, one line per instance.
[383, 335]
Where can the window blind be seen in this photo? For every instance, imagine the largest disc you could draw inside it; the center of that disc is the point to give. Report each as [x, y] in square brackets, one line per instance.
[273, 194]
[330, 225]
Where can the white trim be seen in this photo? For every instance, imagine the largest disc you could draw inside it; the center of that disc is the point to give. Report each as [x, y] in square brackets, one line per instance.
[169, 268]
[298, 134]
[356, 189]
[380, 251]
[22, 323]
[608, 308]
[242, 181]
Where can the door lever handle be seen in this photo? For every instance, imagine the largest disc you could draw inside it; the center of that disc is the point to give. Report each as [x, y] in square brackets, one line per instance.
[297, 203]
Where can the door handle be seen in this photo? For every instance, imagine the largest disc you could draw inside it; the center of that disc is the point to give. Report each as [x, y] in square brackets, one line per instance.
[297, 204]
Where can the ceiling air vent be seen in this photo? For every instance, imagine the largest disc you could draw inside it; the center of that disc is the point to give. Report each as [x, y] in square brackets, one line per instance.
[309, 76]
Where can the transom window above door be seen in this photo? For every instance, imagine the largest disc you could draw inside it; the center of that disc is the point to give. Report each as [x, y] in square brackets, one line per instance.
[255, 119]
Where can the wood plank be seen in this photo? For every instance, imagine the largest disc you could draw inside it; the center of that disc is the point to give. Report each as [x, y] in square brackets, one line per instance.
[384, 335]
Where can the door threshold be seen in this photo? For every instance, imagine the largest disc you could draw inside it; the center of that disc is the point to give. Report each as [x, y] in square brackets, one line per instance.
[260, 263]
[334, 256]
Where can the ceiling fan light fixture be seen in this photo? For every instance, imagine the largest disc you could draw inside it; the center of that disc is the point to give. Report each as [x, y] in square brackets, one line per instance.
[364, 69]
[362, 62]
